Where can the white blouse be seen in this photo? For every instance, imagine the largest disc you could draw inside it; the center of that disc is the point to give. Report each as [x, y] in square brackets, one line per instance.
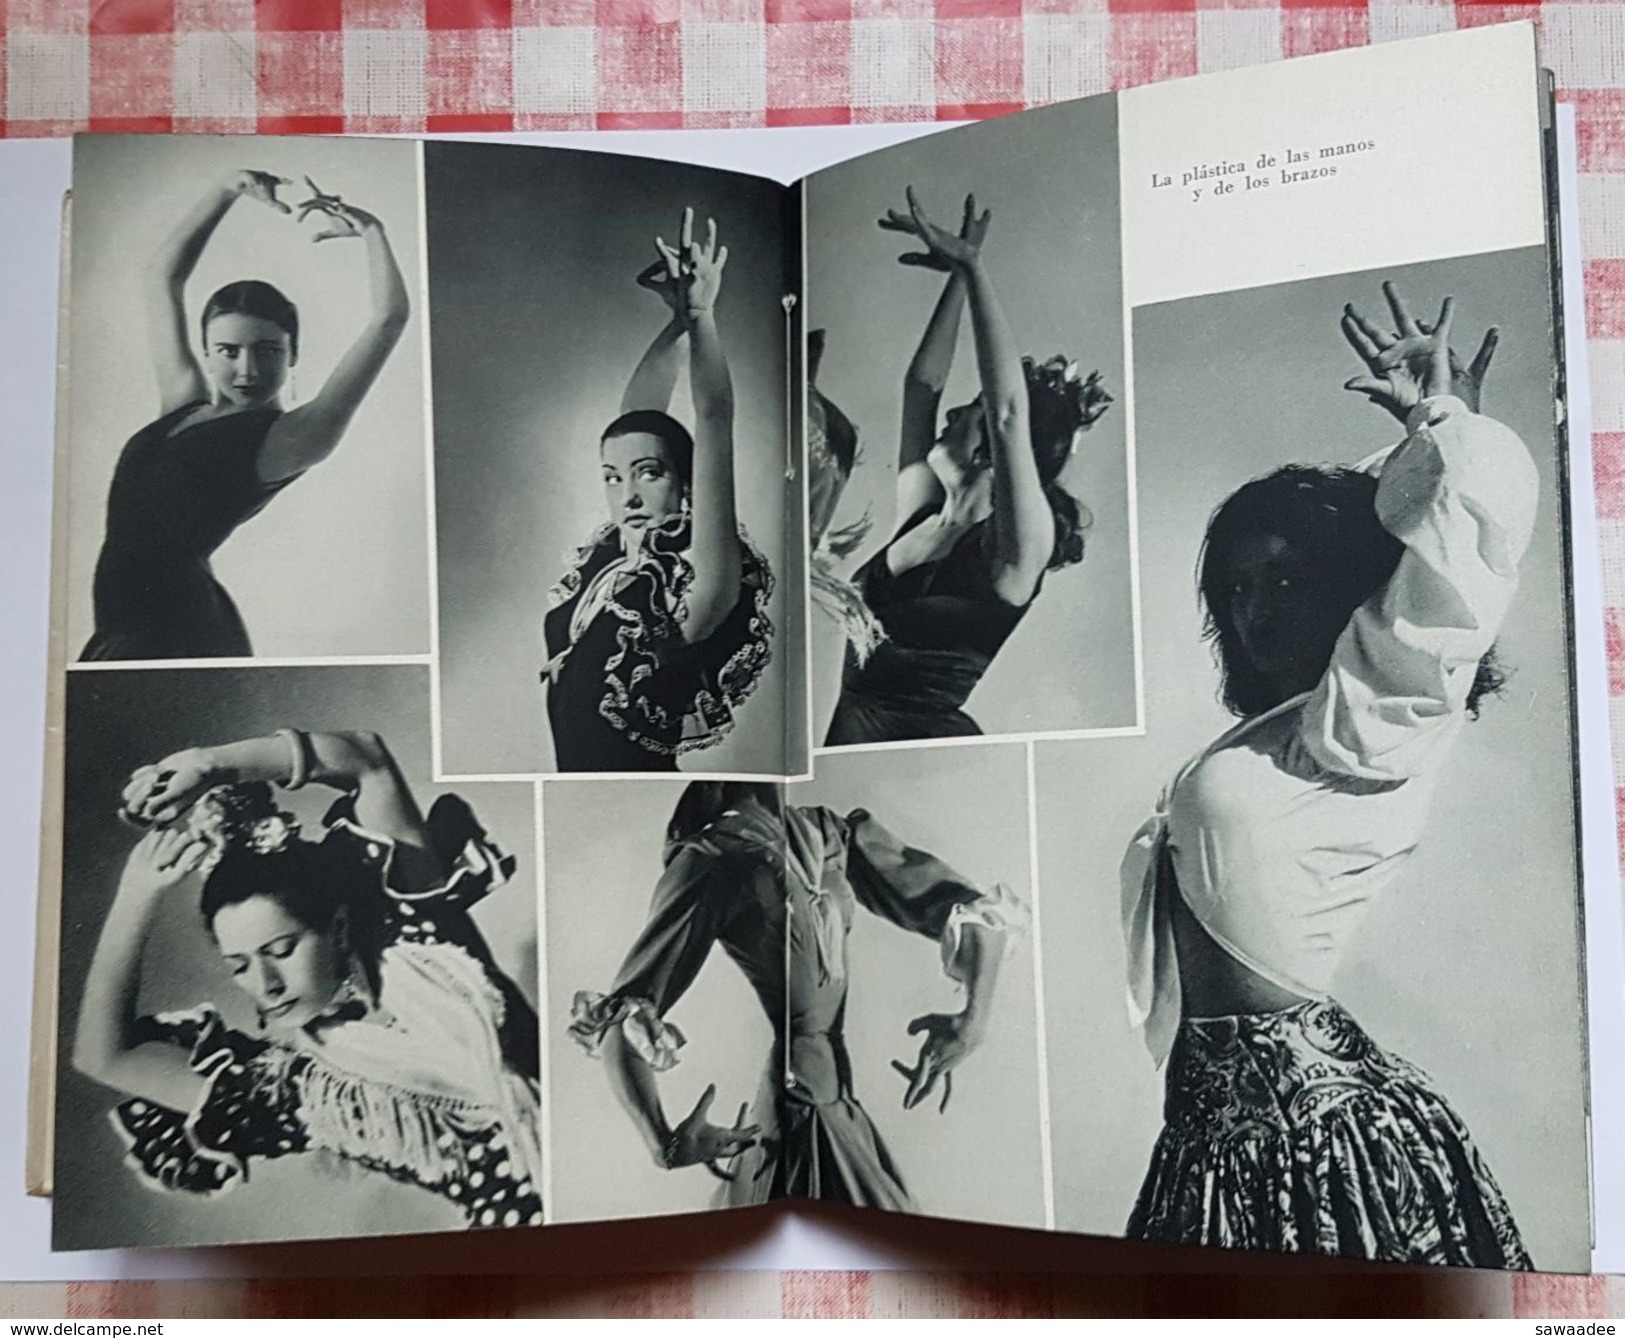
[1280, 832]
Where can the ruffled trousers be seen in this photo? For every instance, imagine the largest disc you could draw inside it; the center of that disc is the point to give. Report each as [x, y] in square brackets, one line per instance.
[1293, 1131]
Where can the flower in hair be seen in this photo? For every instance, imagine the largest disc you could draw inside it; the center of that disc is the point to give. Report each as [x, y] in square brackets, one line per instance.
[241, 817]
[270, 835]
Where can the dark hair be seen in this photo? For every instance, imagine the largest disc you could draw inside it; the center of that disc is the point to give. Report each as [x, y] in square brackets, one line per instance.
[254, 297]
[310, 882]
[703, 802]
[1329, 516]
[840, 432]
[262, 857]
[672, 434]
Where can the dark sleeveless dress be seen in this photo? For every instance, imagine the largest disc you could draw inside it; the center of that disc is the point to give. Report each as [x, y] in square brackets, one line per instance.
[944, 623]
[173, 501]
[630, 694]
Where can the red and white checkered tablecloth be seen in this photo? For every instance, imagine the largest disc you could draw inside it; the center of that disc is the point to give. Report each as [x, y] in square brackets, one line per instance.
[329, 66]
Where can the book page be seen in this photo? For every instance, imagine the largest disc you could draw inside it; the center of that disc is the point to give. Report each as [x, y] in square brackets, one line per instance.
[845, 986]
[1334, 844]
[1426, 903]
[300, 805]
[974, 589]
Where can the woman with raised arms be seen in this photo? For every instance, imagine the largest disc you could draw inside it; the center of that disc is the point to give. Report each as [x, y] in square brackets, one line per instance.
[981, 514]
[659, 629]
[224, 443]
[386, 1033]
[1354, 613]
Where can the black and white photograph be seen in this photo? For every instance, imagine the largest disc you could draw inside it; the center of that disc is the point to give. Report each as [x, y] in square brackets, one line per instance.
[821, 990]
[243, 314]
[610, 380]
[298, 979]
[968, 452]
[1336, 882]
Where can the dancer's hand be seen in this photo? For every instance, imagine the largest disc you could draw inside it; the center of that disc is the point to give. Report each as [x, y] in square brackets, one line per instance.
[944, 251]
[160, 861]
[1467, 383]
[158, 793]
[344, 219]
[257, 185]
[698, 1142]
[656, 279]
[694, 270]
[949, 1038]
[1407, 367]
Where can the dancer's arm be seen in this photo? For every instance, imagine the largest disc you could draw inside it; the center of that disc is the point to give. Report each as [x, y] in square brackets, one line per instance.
[714, 548]
[654, 379]
[1023, 526]
[358, 763]
[309, 434]
[107, 1045]
[927, 377]
[949, 1038]
[1460, 494]
[922, 893]
[692, 904]
[180, 377]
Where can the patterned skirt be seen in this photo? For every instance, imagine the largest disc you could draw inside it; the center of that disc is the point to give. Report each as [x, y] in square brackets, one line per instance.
[1293, 1131]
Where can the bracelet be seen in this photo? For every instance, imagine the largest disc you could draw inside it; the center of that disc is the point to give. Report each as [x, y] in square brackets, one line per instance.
[668, 1152]
[299, 751]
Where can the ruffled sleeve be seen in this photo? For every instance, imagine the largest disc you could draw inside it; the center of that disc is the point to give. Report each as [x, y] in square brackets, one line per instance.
[664, 693]
[692, 904]
[1460, 494]
[474, 864]
[249, 1108]
[916, 891]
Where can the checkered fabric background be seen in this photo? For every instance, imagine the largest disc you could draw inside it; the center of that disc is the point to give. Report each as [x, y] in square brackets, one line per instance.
[329, 66]
[1295, 1293]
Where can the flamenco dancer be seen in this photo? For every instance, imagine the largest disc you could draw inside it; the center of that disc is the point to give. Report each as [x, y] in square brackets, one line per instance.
[659, 629]
[743, 871]
[387, 1035]
[223, 445]
[983, 517]
[1354, 613]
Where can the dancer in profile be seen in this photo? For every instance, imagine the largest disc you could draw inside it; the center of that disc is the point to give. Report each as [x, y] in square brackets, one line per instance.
[982, 516]
[777, 887]
[1354, 613]
[659, 629]
[388, 1036]
[223, 444]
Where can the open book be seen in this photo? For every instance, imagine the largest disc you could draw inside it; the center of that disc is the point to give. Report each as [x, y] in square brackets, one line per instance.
[593, 690]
